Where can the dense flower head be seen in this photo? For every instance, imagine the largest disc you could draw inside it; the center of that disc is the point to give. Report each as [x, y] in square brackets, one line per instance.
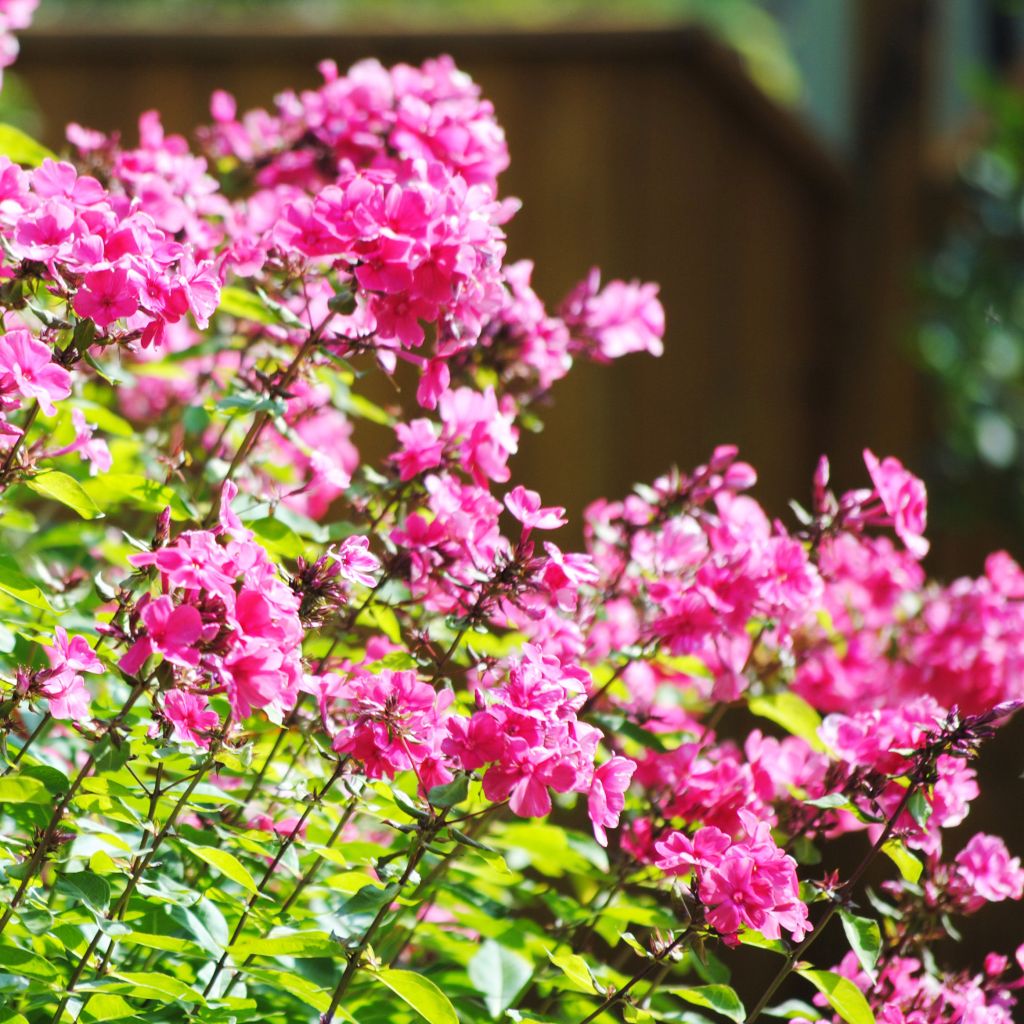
[392, 722]
[27, 370]
[225, 620]
[421, 248]
[984, 872]
[746, 882]
[101, 250]
[373, 117]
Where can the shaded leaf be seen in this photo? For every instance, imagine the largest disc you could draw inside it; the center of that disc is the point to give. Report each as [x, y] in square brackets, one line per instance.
[499, 974]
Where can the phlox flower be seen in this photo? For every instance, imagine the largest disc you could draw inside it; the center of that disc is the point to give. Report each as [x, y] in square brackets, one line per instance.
[190, 717]
[27, 367]
[64, 687]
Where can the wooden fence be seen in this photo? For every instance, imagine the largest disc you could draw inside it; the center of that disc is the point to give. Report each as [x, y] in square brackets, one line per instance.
[648, 154]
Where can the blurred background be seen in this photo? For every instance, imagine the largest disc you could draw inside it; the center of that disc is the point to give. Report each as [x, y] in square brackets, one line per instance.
[829, 192]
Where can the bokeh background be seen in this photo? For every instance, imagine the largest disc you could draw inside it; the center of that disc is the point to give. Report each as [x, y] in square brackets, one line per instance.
[830, 192]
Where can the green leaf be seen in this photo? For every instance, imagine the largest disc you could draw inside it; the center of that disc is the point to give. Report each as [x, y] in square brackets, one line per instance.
[910, 867]
[22, 148]
[15, 960]
[53, 779]
[92, 889]
[67, 490]
[17, 789]
[865, 940]
[919, 807]
[161, 987]
[237, 302]
[137, 491]
[421, 994]
[244, 305]
[20, 587]
[720, 998]
[499, 974]
[296, 944]
[843, 996]
[450, 795]
[793, 713]
[575, 969]
[226, 863]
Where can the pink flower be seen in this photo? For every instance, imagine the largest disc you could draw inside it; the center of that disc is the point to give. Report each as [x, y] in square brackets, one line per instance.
[355, 562]
[607, 795]
[392, 722]
[747, 882]
[525, 506]
[984, 872]
[170, 631]
[421, 448]
[619, 319]
[65, 687]
[106, 296]
[190, 717]
[904, 498]
[26, 366]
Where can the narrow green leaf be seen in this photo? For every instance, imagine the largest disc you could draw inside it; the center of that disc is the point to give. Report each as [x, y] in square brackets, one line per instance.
[450, 795]
[67, 490]
[22, 148]
[420, 993]
[227, 864]
[919, 807]
[15, 960]
[843, 996]
[20, 587]
[793, 713]
[910, 867]
[499, 974]
[865, 940]
[137, 491]
[237, 302]
[720, 998]
[161, 987]
[296, 944]
[575, 969]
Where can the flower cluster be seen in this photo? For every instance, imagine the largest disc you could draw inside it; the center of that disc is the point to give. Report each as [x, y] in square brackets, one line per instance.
[225, 621]
[747, 882]
[391, 662]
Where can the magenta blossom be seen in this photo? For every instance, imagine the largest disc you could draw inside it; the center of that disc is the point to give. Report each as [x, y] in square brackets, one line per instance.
[27, 367]
[607, 795]
[190, 717]
[355, 562]
[904, 498]
[64, 687]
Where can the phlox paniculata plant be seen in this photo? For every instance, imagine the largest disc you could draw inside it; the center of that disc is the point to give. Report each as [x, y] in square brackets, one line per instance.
[292, 735]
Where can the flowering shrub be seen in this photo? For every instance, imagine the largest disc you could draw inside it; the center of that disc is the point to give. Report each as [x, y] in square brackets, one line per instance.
[290, 736]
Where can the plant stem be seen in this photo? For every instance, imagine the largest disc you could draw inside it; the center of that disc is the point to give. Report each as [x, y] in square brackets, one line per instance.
[263, 418]
[797, 954]
[33, 736]
[286, 844]
[305, 880]
[652, 965]
[36, 860]
[5, 468]
[129, 889]
[423, 838]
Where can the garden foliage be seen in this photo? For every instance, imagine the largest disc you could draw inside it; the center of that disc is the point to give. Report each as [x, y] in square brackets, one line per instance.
[287, 734]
